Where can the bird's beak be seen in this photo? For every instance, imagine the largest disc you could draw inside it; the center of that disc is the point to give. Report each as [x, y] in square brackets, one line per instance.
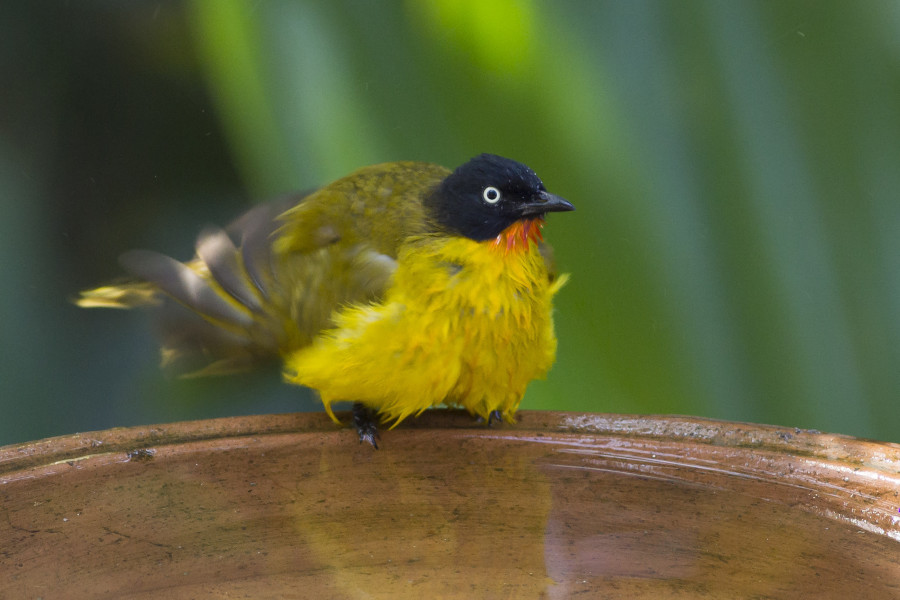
[545, 202]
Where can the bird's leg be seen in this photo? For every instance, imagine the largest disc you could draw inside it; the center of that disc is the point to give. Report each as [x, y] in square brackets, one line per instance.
[366, 425]
[494, 415]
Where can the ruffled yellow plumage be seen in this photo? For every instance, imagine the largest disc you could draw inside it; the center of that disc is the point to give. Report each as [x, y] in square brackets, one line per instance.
[464, 323]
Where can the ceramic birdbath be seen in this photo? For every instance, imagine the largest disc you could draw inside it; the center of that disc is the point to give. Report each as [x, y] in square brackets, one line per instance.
[559, 505]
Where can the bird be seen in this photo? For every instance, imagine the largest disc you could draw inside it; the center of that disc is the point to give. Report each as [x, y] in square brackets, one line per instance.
[400, 287]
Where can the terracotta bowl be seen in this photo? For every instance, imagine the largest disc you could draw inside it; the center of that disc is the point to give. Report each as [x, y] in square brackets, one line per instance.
[560, 505]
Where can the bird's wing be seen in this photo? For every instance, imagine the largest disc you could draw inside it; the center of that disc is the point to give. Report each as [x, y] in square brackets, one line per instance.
[271, 281]
[339, 246]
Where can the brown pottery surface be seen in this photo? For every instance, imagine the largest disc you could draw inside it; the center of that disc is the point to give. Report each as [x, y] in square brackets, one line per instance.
[559, 505]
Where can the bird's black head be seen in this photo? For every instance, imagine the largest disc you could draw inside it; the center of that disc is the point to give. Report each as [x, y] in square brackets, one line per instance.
[488, 194]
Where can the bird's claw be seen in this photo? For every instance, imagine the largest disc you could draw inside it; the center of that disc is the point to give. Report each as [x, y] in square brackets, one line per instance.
[365, 423]
[494, 415]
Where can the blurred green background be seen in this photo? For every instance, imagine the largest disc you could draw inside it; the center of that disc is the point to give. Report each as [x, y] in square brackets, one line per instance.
[736, 167]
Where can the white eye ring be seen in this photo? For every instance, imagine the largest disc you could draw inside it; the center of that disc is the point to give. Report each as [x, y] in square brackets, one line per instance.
[491, 195]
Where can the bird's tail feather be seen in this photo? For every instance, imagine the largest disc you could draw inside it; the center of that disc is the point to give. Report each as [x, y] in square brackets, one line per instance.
[123, 295]
[217, 311]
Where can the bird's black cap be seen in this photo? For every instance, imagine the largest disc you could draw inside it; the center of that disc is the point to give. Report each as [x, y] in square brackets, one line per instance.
[488, 194]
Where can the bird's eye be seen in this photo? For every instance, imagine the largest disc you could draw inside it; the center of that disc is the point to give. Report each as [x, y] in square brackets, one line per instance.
[491, 195]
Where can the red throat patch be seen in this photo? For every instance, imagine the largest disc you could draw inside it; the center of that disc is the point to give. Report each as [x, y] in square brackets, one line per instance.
[518, 236]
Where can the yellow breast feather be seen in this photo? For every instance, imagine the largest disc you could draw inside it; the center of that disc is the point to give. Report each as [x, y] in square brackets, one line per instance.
[464, 323]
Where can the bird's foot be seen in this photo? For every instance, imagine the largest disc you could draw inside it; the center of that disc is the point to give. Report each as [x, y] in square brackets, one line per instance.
[365, 421]
[494, 415]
